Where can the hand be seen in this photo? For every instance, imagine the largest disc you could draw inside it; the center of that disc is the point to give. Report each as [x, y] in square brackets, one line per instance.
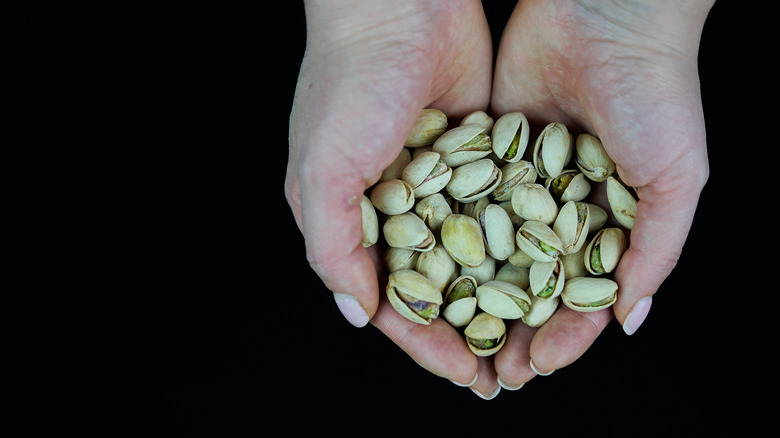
[370, 67]
[627, 73]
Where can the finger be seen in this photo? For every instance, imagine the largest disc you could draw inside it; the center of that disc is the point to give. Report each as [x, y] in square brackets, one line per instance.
[513, 360]
[486, 387]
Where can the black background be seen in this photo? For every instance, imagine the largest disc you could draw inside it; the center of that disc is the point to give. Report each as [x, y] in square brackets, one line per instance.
[156, 280]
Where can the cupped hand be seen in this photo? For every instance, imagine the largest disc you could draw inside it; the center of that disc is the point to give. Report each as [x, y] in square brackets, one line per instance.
[627, 73]
[369, 68]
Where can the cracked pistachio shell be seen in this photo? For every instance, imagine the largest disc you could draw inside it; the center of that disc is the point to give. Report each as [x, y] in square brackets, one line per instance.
[413, 296]
[395, 169]
[400, 258]
[370, 222]
[510, 136]
[515, 275]
[484, 272]
[597, 217]
[480, 118]
[474, 180]
[547, 278]
[485, 334]
[516, 220]
[427, 174]
[392, 197]
[572, 225]
[622, 204]
[603, 252]
[592, 158]
[589, 294]
[430, 125]
[462, 145]
[570, 185]
[462, 238]
[520, 258]
[498, 232]
[438, 266]
[552, 150]
[533, 202]
[503, 299]
[473, 208]
[574, 263]
[433, 209]
[538, 241]
[460, 302]
[408, 231]
[541, 310]
[512, 175]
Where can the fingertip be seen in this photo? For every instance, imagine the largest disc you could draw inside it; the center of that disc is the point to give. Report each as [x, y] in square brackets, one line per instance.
[351, 309]
[637, 315]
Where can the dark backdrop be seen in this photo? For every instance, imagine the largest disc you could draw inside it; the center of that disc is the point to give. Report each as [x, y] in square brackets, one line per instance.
[156, 280]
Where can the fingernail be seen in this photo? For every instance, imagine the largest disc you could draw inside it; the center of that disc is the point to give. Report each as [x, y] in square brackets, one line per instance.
[465, 384]
[637, 315]
[351, 309]
[536, 370]
[508, 387]
[490, 396]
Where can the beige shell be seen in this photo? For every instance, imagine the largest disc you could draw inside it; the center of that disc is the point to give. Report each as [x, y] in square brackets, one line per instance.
[427, 174]
[433, 209]
[569, 185]
[603, 252]
[622, 204]
[510, 136]
[438, 266]
[520, 258]
[413, 296]
[474, 180]
[485, 327]
[592, 159]
[460, 302]
[498, 232]
[370, 222]
[574, 264]
[396, 259]
[503, 299]
[541, 310]
[547, 278]
[463, 144]
[430, 125]
[462, 237]
[480, 118]
[572, 225]
[394, 170]
[533, 202]
[515, 275]
[407, 230]
[512, 175]
[483, 272]
[538, 241]
[597, 217]
[589, 294]
[552, 150]
[392, 197]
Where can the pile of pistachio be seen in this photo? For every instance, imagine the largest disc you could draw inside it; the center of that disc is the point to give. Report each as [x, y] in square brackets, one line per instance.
[480, 227]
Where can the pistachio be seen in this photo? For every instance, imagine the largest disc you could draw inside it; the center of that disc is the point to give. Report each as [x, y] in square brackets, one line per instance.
[552, 150]
[462, 238]
[473, 208]
[483, 272]
[572, 225]
[426, 174]
[480, 118]
[603, 252]
[433, 209]
[515, 275]
[574, 264]
[589, 294]
[460, 302]
[532, 201]
[392, 197]
[474, 180]
[546, 279]
[597, 217]
[396, 259]
[592, 158]
[510, 136]
[541, 310]
[503, 299]
[485, 334]
[438, 266]
[408, 231]
[520, 259]
[370, 222]
[394, 170]
[570, 185]
[430, 125]
[538, 241]
[497, 232]
[413, 296]
[462, 145]
[512, 175]
[622, 204]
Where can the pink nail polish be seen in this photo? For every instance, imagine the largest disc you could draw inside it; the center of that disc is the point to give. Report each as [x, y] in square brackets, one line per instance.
[351, 309]
[637, 315]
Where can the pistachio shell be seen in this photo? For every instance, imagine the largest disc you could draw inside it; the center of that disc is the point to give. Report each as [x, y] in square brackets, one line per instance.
[597, 217]
[474, 180]
[370, 222]
[427, 174]
[473, 208]
[462, 145]
[603, 252]
[485, 334]
[480, 118]
[429, 126]
[589, 294]
[462, 237]
[510, 136]
[392, 197]
[484, 272]
[413, 296]
[622, 204]
[541, 310]
[574, 264]
[498, 232]
[394, 170]
[408, 231]
[460, 302]
[503, 299]
[400, 258]
[520, 258]
[433, 209]
[572, 225]
[513, 174]
[438, 266]
[592, 159]
[570, 185]
[546, 279]
[552, 150]
[515, 275]
[532, 201]
[538, 241]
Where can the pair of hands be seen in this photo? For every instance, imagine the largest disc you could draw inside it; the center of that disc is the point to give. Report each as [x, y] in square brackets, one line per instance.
[624, 71]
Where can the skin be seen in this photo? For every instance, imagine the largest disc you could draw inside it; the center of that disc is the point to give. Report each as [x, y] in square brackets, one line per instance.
[624, 71]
